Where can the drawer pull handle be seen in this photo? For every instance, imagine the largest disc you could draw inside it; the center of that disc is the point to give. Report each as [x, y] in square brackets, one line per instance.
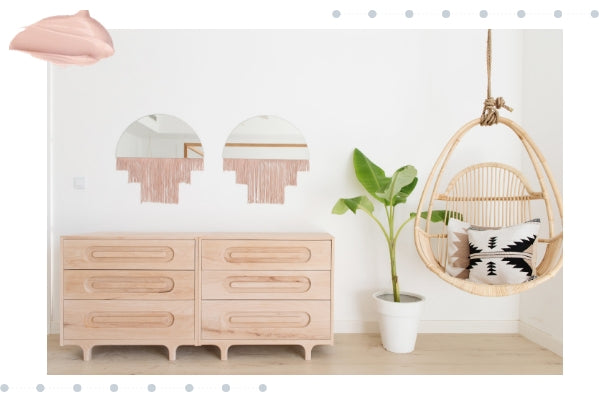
[121, 284]
[129, 319]
[268, 254]
[270, 284]
[130, 253]
[297, 319]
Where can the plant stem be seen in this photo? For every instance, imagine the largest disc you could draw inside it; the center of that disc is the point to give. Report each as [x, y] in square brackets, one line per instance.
[402, 226]
[391, 241]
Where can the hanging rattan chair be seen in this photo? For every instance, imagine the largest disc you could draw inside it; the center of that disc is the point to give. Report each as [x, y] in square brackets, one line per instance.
[491, 194]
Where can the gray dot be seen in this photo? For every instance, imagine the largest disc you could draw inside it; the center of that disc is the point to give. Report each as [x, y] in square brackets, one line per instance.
[188, 387]
[226, 388]
[4, 387]
[594, 13]
[77, 387]
[151, 387]
[336, 14]
[262, 388]
[409, 14]
[521, 14]
[445, 13]
[557, 14]
[114, 387]
[483, 14]
[372, 13]
[40, 388]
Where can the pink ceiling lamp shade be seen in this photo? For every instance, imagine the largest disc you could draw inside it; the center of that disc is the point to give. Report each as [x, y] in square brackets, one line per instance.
[66, 40]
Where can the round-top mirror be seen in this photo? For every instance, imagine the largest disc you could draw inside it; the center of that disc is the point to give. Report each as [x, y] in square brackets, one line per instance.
[159, 151]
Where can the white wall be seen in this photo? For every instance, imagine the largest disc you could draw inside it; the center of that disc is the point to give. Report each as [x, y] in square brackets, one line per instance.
[541, 309]
[398, 95]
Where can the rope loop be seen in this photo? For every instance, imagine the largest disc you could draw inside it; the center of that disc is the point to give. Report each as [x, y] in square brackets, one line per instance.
[490, 114]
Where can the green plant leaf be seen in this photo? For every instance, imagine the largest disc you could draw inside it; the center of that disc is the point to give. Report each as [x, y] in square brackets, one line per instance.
[371, 176]
[354, 204]
[401, 178]
[440, 215]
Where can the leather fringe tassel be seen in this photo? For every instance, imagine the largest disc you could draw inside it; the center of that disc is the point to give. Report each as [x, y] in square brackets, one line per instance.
[159, 177]
[266, 179]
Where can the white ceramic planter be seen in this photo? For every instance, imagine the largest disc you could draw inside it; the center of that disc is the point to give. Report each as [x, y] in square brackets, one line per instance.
[398, 322]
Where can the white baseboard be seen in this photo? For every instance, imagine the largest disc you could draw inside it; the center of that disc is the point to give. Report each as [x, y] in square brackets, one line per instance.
[425, 327]
[542, 338]
[435, 327]
[531, 333]
[53, 327]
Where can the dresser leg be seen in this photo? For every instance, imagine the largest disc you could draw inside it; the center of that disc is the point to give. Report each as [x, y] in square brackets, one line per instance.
[224, 350]
[172, 352]
[308, 351]
[87, 351]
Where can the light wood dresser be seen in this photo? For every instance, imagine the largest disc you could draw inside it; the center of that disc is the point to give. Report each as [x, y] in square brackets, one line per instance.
[175, 289]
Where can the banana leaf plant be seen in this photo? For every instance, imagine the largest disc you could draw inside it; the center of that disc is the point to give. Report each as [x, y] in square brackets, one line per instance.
[390, 192]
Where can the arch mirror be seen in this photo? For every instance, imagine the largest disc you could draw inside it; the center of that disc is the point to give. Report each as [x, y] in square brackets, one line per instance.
[159, 151]
[266, 152]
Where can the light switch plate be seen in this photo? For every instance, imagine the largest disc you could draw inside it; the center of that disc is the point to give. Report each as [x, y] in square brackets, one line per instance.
[79, 182]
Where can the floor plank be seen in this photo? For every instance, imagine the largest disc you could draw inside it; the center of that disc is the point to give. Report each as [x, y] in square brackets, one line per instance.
[352, 354]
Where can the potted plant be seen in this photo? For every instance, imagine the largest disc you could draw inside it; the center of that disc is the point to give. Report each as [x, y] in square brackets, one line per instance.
[399, 312]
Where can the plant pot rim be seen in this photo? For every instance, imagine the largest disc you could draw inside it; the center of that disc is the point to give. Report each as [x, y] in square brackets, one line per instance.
[378, 293]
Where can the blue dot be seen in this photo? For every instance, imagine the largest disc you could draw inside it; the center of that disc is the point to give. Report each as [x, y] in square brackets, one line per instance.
[409, 14]
[372, 13]
[262, 388]
[226, 388]
[4, 387]
[151, 387]
[521, 14]
[483, 14]
[445, 13]
[594, 13]
[77, 387]
[189, 387]
[114, 387]
[557, 14]
[336, 14]
[40, 388]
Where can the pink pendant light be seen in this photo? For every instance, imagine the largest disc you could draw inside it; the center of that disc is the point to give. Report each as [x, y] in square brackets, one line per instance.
[66, 40]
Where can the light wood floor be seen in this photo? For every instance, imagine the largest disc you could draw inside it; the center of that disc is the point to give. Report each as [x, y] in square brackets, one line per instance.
[355, 354]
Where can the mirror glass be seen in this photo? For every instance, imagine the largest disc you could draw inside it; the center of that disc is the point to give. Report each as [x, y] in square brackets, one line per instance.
[159, 136]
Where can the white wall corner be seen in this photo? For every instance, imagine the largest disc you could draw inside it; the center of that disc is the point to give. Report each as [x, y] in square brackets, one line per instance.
[541, 338]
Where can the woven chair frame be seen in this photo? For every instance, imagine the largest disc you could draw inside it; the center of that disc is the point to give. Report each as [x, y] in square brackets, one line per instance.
[490, 194]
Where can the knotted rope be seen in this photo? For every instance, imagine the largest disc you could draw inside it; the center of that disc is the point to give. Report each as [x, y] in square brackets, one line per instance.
[490, 113]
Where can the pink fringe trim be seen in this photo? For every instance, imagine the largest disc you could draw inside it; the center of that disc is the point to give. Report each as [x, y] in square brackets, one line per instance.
[266, 179]
[159, 177]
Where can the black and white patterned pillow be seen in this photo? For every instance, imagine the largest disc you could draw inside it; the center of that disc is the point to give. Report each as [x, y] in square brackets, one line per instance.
[504, 255]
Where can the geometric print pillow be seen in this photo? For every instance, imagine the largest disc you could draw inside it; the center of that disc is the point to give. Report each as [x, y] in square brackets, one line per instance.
[458, 256]
[458, 252]
[504, 255]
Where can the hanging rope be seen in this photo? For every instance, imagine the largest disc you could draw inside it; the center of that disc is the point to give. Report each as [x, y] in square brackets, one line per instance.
[490, 113]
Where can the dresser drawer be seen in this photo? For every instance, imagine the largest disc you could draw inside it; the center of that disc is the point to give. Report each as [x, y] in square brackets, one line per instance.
[128, 319]
[314, 285]
[112, 284]
[266, 319]
[266, 254]
[129, 254]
